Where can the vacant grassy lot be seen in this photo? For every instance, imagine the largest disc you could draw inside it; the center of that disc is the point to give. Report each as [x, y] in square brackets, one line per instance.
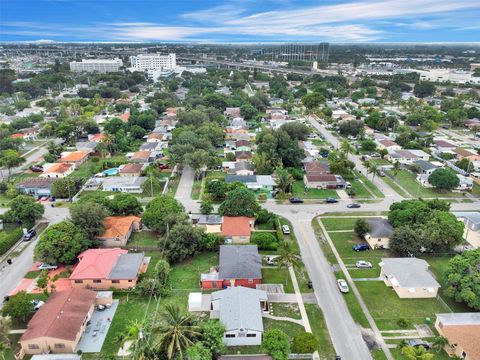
[339, 223]
[408, 181]
[186, 275]
[386, 307]
[300, 191]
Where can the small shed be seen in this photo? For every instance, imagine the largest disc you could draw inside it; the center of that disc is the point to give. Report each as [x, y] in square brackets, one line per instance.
[195, 301]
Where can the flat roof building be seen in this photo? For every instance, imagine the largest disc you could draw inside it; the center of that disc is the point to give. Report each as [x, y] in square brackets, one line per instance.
[96, 65]
[144, 62]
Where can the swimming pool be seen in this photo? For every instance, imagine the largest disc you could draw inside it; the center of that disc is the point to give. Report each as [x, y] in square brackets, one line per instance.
[108, 172]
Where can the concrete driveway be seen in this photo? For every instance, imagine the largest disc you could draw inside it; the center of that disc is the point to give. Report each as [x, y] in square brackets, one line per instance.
[95, 333]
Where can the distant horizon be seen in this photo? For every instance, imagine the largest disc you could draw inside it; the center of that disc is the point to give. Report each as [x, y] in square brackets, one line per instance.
[241, 21]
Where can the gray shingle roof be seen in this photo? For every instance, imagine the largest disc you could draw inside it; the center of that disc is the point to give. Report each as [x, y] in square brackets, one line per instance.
[241, 178]
[240, 307]
[243, 165]
[210, 219]
[409, 272]
[240, 262]
[380, 228]
[425, 165]
[127, 267]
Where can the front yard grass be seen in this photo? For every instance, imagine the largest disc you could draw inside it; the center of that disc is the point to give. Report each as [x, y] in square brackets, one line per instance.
[367, 183]
[276, 275]
[196, 189]
[353, 305]
[320, 330]
[338, 223]
[144, 238]
[386, 307]
[290, 310]
[299, 190]
[186, 275]
[408, 181]
[291, 329]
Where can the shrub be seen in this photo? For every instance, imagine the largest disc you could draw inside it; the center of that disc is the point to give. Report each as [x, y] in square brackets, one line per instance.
[264, 216]
[8, 239]
[403, 323]
[304, 343]
[265, 240]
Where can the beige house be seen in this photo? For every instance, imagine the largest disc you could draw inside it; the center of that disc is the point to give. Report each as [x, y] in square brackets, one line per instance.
[462, 331]
[58, 170]
[103, 269]
[212, 224]
[471, 231]
[378, 237]
[59, 324]
[118, 230]
[409, 277]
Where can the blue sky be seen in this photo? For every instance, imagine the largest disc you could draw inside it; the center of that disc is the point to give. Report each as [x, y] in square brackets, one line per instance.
[240, 20]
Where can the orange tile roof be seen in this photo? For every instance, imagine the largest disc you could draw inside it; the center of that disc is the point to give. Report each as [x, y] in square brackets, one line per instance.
[97, 137]
[74, 156]
[466, 337]
[17, 136]
[62, 316]
[155, 136]
[236, 226]
[118, 226]
[125, 116]
[60, 168]
[96, 263]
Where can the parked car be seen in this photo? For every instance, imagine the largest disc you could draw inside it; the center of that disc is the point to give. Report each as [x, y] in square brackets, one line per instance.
[285, 230]
[381, 173]
[361, 247]
[275, 192]
[45, 266]
[36, 168]
[363, 264]
[29, 235]
[348, 185]
[343, 286]
[417, 343]
[163, 166]
[310, 284]
[296, 200]
[37, 304]
[331, 200]
[271, 259]
[353, 206]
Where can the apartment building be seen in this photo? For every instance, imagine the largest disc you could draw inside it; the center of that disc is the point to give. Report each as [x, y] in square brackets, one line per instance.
[144, 62]
[96, 65]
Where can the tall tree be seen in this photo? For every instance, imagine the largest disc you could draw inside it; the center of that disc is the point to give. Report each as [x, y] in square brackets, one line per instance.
[158, 210]
[24, 208]
[239, 202]
[284, 180]
[10, 158]
[89, 216]
[287, 258]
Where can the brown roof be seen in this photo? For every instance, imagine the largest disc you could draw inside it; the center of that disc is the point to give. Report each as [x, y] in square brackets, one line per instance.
[59, 168]
[388, 143]
[74, 156]
[157, 136]
[236, 226]
[118, 226]
[239, 143]
[466, 337]
[321, 177]
[443, 143]
[316, 167]
[142, 154]
[243, 155]
[463, 152]
[131, 169]
[62, 316]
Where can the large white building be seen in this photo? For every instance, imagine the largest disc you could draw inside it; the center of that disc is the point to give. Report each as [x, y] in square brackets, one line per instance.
[98, 65]
[143, 62]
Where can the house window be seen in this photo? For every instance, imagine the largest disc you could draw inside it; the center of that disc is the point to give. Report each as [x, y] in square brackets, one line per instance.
[115, 281]
[229, 335]
[78, 281]
[251, 335]
[59, 346]
[33, 346]
[97, 281]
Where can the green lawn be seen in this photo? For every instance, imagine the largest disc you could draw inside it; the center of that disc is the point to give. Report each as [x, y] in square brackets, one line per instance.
[344, 241]
[291, 329]
[319, 329]
[186, 275]
[367, 183]
[277, 276]
[196, 189]
[386, 307]
[300, 191]
[353, 305]
[339, 223]
[408, 181]
[90, 167]
[144, 238]
[395, 187]
[172, 186]
[360, 190]
[216, 175]
[290, 310]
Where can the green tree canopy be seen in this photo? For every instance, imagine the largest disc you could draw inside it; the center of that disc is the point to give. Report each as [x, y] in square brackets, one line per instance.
[18, 306]
[276, 343]
[24, 208]
[239, 202]
[89, 217]
[444, 179]
[157, 212]
[124, 204]
[183, 241]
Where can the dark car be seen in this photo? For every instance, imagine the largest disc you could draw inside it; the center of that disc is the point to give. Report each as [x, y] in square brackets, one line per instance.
[295, 200]
[163, 166]
[418, 343]
[36, 168]
[361, 247]
[310, 284]
[275, 192]
[29, 235]
[331, 200]
[353, 206]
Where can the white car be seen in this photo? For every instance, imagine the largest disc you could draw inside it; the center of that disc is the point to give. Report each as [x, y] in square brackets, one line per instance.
[343, 286]
[37, 304]
[285, 230]
[45, 266]
[271, 259]
[363, 264]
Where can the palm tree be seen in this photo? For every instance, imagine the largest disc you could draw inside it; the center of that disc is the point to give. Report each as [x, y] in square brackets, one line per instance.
[372, 168]
[346, 147]
[416, 353]
[284, 180]
[396, 168]
[177, 332]
[287, 258]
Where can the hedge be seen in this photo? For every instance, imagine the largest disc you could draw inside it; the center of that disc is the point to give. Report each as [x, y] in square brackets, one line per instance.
[8, 239]
[265, 240]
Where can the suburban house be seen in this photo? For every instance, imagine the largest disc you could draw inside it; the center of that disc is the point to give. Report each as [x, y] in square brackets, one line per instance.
[37, 187]
[407, 157]
[243, 155]
[443, 145]
[237, 229]
[240, 309]
[388, 144]
[232, 112]
[96, 137]
[462, 333]
[131, 169]
[378, 237]
[253, 182]
[312, 167]
[132, 184]
[426, 167]
[154, 137]
[466, 154]
[102, 269]
[142, 156]
[472, 227]
[240, 265]
[309, 148]
[465, 183]
[118, 230]
[87, 146]
[74, 157]
[243, 168]
[57, 170]
[211, 223]
[324, 181]
[409, 277]
[59, 324]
